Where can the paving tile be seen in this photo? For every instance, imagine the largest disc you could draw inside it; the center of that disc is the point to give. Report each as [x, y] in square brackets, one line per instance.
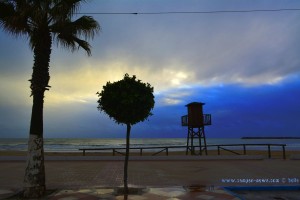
[165, 193]
[5, 191]
[98, 179]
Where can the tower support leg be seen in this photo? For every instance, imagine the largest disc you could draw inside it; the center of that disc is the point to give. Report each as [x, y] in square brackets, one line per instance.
[200, 134]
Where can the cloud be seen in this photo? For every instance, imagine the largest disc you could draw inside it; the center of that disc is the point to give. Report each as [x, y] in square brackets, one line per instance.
[14, 120]
[14, 90]
[242, 65]
[81, 83]
[176, 51]
[244, 49]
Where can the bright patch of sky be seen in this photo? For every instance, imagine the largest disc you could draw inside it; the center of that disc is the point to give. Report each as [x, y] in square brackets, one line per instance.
[244, 66]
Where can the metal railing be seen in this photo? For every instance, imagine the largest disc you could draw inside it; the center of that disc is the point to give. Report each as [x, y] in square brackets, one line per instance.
[219, 147]
[206, 120]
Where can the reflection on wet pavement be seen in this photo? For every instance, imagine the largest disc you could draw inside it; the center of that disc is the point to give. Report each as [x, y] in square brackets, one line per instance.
[155, 193]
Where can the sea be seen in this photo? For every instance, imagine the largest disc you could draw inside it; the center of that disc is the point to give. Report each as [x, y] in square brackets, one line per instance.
[74, 144]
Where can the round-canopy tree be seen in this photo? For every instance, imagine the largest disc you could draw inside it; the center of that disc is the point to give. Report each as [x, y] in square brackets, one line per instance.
[127, 101]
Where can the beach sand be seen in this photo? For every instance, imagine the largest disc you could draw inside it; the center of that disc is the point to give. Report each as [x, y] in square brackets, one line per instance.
[66, 174]
[180, 171]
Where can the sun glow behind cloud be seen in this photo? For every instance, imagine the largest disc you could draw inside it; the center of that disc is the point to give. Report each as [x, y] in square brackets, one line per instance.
[250, 51]
[224, 60]
[81, 83]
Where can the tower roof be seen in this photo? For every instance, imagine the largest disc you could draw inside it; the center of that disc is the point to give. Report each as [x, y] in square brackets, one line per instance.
[195, 103]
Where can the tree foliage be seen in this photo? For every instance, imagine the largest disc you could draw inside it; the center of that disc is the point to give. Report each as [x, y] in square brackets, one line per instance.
[127, 101]
[35, 18]
[42, 22]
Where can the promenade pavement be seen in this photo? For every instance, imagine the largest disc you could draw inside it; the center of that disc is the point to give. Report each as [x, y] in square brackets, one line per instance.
[162, 178]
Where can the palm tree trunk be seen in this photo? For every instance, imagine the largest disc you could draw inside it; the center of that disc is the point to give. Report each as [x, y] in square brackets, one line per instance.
[126, 159]
[34, 179]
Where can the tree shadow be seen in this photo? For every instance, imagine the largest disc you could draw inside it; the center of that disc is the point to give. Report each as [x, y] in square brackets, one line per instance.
[121, 191]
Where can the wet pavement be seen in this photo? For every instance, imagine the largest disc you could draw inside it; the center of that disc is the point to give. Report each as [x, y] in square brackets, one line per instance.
[269, 195]
[196, 192]
[157, 180]
[267, 192]
[136, 193]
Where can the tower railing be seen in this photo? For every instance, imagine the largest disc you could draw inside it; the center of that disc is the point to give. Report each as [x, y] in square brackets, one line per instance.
[206, 120]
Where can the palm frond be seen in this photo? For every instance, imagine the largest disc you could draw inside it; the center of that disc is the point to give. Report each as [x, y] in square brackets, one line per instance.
[85, 45]
[86, 26]
[5, 9]
[37, 18]
[73, 43]
[62, 9]
[14, 17]
[67, 30]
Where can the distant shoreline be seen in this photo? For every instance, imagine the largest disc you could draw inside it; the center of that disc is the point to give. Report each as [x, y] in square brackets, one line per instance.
[272, 138]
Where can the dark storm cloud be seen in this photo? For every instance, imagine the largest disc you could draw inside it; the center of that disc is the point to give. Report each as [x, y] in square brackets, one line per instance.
[244, 66]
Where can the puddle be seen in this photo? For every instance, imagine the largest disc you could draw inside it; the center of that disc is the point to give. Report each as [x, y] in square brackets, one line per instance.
[143, 193]
[267, 192]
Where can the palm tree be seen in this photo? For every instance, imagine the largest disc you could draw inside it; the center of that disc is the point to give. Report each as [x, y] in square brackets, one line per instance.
[42, 22]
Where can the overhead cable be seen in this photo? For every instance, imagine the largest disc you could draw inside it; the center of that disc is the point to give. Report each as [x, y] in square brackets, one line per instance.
[189, 12]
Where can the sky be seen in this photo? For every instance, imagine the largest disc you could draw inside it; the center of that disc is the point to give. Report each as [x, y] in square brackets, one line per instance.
[245, 67]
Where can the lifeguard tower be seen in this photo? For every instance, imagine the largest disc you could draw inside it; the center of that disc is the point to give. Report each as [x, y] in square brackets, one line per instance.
[195, 120]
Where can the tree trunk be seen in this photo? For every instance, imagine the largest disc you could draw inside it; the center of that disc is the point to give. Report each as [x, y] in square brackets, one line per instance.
[126, 159]
[34, 179]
